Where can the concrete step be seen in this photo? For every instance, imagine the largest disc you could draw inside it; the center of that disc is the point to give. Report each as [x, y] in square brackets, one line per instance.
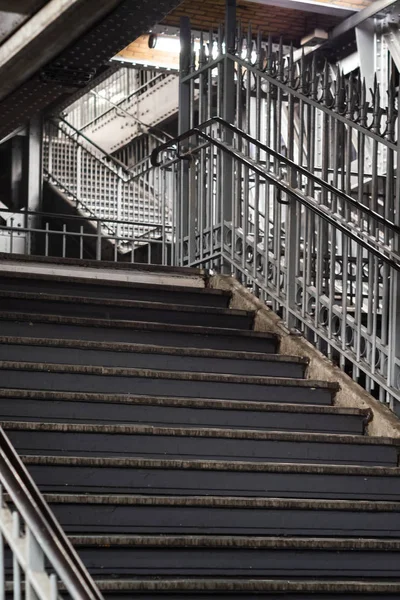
[106, 308]
[106, 270]
[239, 556]
[232, 588]
[122, 290]
[71, 378]
[118, 354]
[32, 405]
[160, 334]
[61, 439]
[216, 515]
[59, 474]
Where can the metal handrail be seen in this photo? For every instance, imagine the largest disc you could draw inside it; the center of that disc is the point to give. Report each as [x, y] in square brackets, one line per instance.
[77, 217]
[32, 507]
[109, 157]
[283, 187]
[290, 163]
[128, 97]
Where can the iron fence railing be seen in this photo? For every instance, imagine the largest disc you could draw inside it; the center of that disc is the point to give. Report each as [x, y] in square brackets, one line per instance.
[43, 563]
[65, 235]
[325, 258]
[330, 273]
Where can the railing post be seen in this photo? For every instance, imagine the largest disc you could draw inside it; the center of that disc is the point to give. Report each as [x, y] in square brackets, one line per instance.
[394, 321]
[98, 241]
[228, 107]
[183, 200]
[33, 171]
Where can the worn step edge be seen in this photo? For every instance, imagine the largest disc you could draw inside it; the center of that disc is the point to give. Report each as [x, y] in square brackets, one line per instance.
[151, 349]
[200, 432]
[247, 585]
[137, 325]
[197, 403]
[224, 502]
[87, 300]
[103, 264]
[61, 278]
[209, 465]
[228, 541]
[158, 374]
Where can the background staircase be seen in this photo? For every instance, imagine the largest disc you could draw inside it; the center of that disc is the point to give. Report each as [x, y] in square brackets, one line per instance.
[180, 451]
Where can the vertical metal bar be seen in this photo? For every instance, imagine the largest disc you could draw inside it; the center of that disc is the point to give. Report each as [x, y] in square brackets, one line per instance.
[394, 331]
[183, 198]
[64, 240]
[2, 568]
[16, 567]
[46, 238]
[98, 241]
[292, 220]
[81, 241]
[35, 563]
[228, 105]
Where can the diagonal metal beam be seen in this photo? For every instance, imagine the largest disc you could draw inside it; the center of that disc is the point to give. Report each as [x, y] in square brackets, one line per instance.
[377, 8]
[44, 36]
[25, 7]
[323, 8]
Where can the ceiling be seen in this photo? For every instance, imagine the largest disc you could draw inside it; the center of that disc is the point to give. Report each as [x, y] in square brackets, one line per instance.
[69, 54]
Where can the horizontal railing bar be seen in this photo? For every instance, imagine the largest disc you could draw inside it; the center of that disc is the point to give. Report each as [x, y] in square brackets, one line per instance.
[329, 187]
[283, 86]
[77, 217]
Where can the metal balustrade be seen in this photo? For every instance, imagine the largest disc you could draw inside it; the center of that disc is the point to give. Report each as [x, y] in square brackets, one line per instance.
[63, 235]
[330, 273]
[295, 191]
[36, 558]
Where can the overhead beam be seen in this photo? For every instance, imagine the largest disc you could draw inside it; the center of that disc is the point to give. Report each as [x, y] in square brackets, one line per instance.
[373, 10]
[44, 36]
[328, 8]
[24, 7]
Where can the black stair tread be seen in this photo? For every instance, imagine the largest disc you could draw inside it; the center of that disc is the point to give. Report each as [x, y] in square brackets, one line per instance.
[198, 330]
[79, 300]
[187, 402]
[210, 465]
[209, 585]
[224, 478]
[87, 378]
[175, 375]
[98, 282]
[152, 349]
[237, 541]
[168, 358]
[95, 513]
[77, 407]
[103, 264]
[247, 503]
[122, 309]
[197, 432]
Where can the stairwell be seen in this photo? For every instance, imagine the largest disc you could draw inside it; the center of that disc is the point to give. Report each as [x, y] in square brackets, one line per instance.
[183, 454]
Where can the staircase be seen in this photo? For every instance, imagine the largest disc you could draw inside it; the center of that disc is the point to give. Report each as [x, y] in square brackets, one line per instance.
[181, 452]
